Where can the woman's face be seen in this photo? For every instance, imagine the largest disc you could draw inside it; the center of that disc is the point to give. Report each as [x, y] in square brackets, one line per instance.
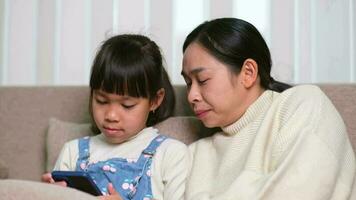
[216, 95]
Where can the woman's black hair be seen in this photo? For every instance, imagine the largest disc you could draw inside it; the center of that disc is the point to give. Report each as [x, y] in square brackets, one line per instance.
[232, 41]
[132, 65]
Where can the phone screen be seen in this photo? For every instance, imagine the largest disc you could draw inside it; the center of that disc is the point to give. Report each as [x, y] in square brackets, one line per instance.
[79, 180]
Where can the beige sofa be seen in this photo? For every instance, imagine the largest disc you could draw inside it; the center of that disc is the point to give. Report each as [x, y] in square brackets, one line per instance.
[36, 121]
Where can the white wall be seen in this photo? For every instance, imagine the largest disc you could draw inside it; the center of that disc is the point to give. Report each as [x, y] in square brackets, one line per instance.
[52, 42]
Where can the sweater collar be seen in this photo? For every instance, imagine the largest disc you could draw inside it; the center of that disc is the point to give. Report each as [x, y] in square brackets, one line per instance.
[252, 112]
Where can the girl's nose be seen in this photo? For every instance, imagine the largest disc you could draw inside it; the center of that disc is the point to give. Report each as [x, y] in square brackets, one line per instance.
[112, 115]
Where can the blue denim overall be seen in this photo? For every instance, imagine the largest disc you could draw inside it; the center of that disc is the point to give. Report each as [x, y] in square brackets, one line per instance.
[132, 179]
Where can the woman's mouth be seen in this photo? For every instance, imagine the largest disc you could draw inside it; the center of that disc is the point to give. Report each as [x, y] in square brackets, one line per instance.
[201, 113]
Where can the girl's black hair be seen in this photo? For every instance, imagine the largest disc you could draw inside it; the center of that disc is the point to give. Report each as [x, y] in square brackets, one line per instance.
[232, 41]
[132, 65]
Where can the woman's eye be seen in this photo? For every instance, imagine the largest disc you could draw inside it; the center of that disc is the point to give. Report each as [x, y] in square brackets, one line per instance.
[202, 82]
[188, 84]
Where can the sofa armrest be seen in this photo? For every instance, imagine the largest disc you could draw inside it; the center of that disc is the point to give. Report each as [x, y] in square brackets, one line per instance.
[31, 190]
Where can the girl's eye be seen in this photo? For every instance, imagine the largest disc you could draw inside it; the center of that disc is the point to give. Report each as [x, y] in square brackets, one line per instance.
[100, 101]
[127, 106]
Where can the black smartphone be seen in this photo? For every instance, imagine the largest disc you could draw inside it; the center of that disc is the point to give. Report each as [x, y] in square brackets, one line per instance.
[78, 180]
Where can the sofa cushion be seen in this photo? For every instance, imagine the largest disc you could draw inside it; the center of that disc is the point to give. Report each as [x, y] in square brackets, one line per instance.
[184, 128]
[59, 132]
[4, 171]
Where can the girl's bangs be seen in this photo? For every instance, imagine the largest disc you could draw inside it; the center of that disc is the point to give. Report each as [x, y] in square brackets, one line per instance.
[124, 80]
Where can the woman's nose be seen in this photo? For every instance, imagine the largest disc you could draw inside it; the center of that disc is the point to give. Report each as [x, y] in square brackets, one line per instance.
[194, 94]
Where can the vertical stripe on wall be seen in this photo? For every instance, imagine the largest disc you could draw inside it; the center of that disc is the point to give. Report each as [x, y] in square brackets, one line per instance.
[45, 43]
[34, 41]
[296, 42]
[101, 23]
[73, 43]
[221, 8]
[281, 45]
[132, 17]
[161, 29]
[21, 30]
[57, 41]
[302, 62]
[1, 37]
[5, 42]
[88, 39]
[115, 17]
[184, 21]
[207, 9]
[313, 39]
[147, 15]
[352, 40]
[174, 62]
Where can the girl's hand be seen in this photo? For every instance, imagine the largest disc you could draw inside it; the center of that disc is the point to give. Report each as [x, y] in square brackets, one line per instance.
[113, 195]
[47, 178]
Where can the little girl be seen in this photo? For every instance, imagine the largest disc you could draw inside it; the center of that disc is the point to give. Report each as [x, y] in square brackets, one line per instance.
[130, 92]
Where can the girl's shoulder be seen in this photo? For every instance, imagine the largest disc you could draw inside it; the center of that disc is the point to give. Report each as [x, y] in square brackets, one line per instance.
[172, 145]
[74, 142]
[170, 142]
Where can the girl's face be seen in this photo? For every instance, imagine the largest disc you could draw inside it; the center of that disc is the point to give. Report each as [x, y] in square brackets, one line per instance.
[216, 95]
[119, 117]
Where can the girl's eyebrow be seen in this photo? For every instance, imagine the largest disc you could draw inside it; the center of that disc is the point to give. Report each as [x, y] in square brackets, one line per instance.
[98, 92]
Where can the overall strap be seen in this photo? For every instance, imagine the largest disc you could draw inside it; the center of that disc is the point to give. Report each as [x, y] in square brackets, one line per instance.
[83, 158]
[150, 150]
[144, 161]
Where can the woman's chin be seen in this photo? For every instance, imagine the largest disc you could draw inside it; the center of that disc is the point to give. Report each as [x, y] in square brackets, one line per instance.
[209, 124]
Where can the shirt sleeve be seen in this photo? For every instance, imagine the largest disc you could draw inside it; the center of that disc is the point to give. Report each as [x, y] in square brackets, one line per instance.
[313, 157]
[174, 169]
[67, 158]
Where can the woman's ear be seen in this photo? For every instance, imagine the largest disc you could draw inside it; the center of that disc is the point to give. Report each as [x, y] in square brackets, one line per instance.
[156, 102]
[249, 73]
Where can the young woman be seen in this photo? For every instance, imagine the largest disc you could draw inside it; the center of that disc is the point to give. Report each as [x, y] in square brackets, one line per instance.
[273, 144]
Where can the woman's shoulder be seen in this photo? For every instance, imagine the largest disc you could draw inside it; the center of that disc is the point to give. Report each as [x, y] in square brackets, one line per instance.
[304, 91]
[301, 95]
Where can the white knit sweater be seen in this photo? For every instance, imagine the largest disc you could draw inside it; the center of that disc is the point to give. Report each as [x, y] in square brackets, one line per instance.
[290, 145]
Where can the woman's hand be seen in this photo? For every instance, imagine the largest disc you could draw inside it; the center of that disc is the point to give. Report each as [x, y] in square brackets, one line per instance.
[113, 195]
[47, 178]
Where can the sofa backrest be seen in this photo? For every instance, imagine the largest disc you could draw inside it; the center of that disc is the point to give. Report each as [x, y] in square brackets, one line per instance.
[25, 114]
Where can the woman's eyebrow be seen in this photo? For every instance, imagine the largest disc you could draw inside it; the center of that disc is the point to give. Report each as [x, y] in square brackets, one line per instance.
[194, 71]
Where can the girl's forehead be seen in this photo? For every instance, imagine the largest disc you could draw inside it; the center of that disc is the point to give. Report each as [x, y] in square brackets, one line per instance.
[103, 93]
